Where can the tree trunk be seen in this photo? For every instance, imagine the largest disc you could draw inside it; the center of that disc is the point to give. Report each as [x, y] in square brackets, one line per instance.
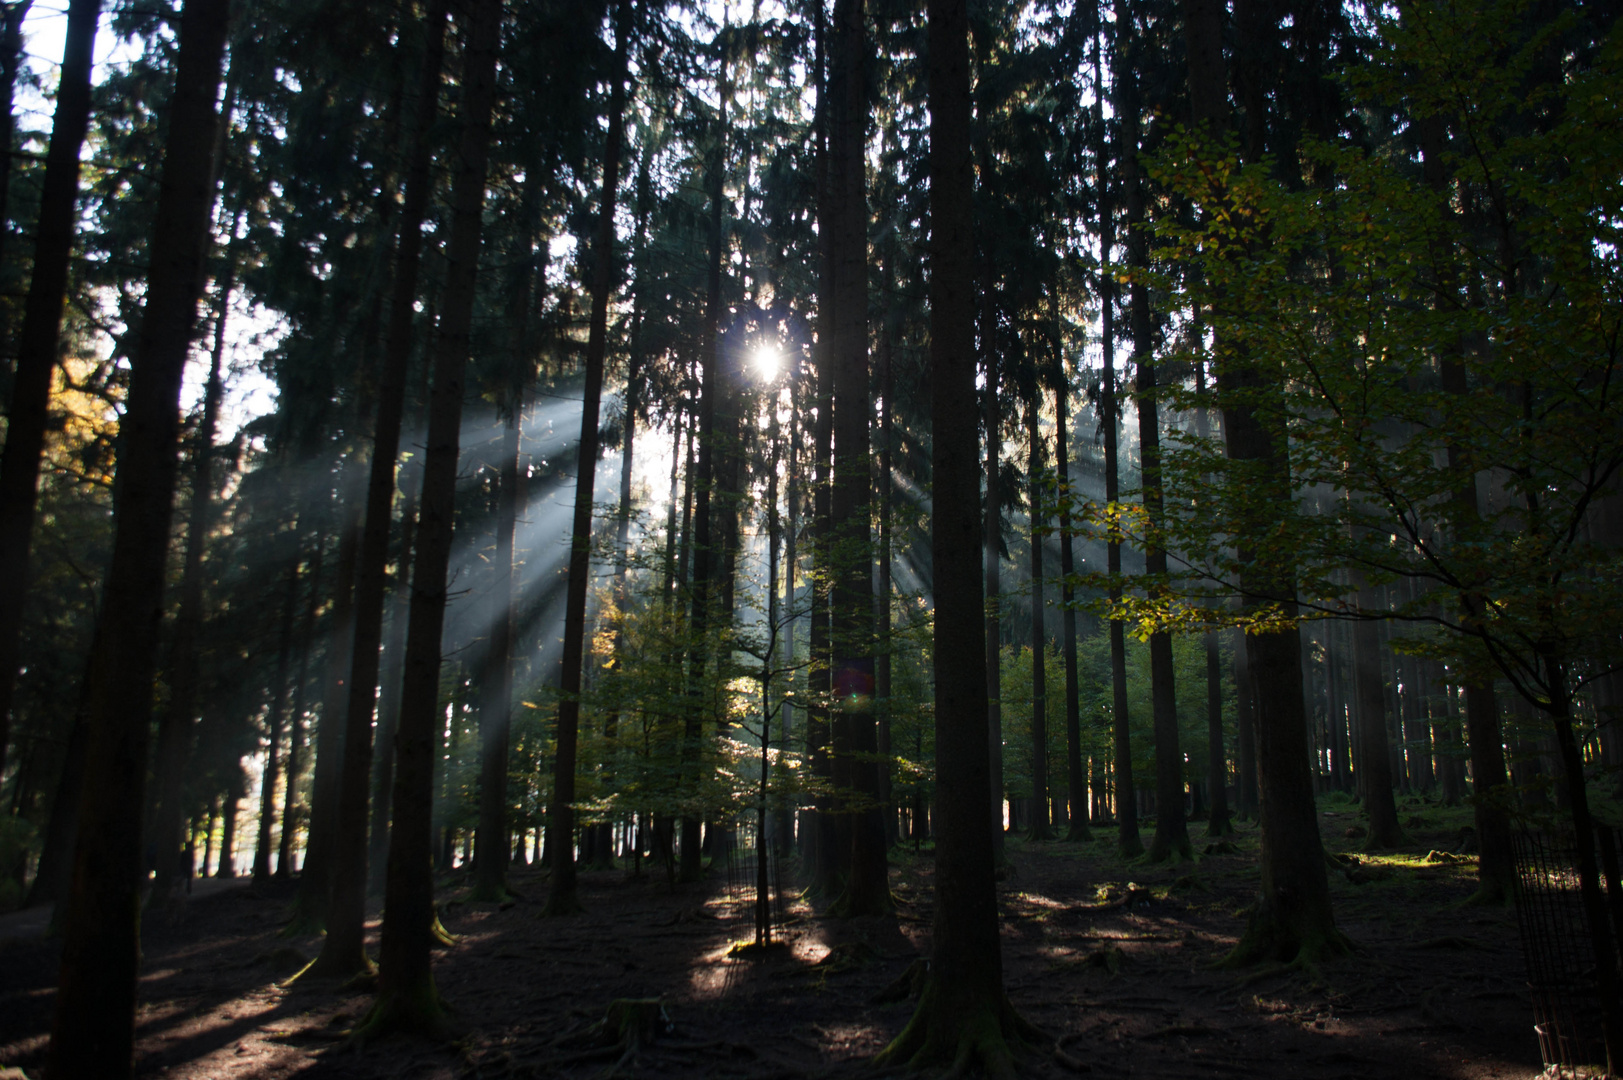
[278, 705]
[93, 1033]
[315, 882]
[1171, 839]
[992, 553]
[175, 722]
[406, 993]
[1128, 842]
[561, 894]
[1217, 817]
[1039, 825]
[963, 1015]
[867, 886]
[1293, 920]
[38, 345]
[1383, 830]
[295, 737]
[1076, 782]
[11, 57]
[343, 951]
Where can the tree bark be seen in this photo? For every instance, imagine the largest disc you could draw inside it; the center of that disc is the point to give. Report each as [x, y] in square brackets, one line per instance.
[343, 951]
[1292, 920]
[175, 722]
[39, 343]
[278, 705]
[406, 993]
[867, 885]
[561, 891]
[1039, 828]
[1076, 782]
[963, 1015]
[93, 1033]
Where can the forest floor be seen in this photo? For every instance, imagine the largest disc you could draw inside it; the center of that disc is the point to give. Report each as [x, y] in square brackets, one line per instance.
[1432, 989]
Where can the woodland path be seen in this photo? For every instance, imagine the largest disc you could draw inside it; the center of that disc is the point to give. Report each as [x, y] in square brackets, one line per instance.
[1431, 992]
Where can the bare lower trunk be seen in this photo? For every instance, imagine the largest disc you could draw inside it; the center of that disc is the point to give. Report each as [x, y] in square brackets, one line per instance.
[93, 1033]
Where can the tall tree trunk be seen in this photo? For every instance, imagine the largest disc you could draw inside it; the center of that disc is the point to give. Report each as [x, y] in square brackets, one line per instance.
[708, 556]
[343, 951]
[963, 1015]
[1039, 639]
[1218, 823]
[561, 894]
[175, 722]
[1292, 920]
[273, 717]
[827, 862]
[37, 347]
[1128, 842]
[295, 736]
[11, 57]
[882, 659]
[406, 993]
[1171, 838]
[867, 887]
[94, 1030]
[1076, 777]
[1496, 871]
[992, 555]
[315, 881]
[1373, 761]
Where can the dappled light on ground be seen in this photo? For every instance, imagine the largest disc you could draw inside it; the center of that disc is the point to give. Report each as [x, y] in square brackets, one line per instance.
[1114, 960]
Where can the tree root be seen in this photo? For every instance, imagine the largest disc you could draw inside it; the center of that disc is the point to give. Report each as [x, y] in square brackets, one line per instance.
[418, 1011]
[966, 1036]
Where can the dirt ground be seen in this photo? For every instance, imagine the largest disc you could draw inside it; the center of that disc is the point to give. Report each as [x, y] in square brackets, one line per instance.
[1431, 991]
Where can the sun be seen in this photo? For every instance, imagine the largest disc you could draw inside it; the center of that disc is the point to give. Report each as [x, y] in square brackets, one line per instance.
[767, 360]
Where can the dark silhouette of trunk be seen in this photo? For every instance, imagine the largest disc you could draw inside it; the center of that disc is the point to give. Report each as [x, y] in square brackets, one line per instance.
[992, 554]
[1292, 920]
[827, 869]
[495, 708]
[228, 823]
[175, 722]
[1217, 823]
[406, 993]
[708, 533]
[1039, 675]
[343, 950]
[377, 845]
[561, 894]
[315, 881]
[295, 737]
[1076, 777]
[1171, 838]
[1496, 871]
[278, 706]
[93, 1033]
[1126, 801]
[867, 886]
[37, 346]
[11, 57]
[1245, 723]
[1373, 759]
[963, 1015]
[882, 658]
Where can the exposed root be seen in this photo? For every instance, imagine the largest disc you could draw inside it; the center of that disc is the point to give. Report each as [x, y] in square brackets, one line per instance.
[418, 1011]
[436, 930]
[984, 1037]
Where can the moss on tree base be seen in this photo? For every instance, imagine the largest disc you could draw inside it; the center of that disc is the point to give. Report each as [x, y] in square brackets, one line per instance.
[417, 1011]
[985, 1037]
[1270, 938]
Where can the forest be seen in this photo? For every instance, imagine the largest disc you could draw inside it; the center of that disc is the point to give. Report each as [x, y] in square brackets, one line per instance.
[774, 538]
